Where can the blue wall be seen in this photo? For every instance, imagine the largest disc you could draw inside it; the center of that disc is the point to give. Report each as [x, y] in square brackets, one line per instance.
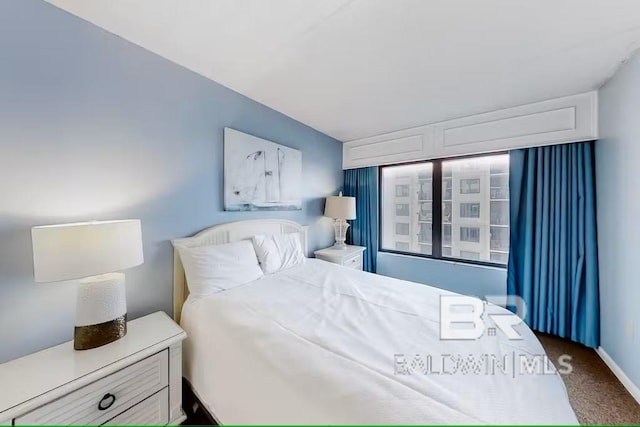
[617, 179]
[457, 277]
[95, 127]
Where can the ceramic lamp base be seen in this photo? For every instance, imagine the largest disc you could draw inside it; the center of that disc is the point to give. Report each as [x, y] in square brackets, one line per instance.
[101, 311]
[340, 227]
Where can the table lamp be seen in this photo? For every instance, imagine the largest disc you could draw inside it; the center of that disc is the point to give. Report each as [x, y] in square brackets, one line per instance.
[340, 208]
[93, 252]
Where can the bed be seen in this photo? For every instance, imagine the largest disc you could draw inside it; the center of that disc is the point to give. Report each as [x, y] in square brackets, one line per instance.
[323, 344]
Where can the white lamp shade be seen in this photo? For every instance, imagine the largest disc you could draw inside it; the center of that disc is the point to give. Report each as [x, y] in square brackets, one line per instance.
[74, 251]
[340, 207]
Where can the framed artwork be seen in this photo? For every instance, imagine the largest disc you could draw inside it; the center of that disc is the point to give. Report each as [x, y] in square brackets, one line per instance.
[260, 175]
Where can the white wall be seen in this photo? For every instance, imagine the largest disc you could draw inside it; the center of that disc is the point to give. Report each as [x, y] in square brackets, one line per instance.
[618, 202]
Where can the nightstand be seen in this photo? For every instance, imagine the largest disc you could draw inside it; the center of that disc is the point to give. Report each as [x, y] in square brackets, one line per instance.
[135, 380]
[350, 257]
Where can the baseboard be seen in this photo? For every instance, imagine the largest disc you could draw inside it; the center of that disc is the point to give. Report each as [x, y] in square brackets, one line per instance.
[619, 373]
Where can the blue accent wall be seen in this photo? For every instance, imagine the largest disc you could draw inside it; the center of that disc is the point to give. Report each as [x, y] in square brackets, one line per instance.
[95, 127]
[617, 179]
[458, 277]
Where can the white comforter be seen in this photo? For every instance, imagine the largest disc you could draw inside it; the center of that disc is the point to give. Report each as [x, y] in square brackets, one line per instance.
[318, 343]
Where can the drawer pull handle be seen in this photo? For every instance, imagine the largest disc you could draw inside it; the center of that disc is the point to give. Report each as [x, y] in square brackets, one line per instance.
[106, 402]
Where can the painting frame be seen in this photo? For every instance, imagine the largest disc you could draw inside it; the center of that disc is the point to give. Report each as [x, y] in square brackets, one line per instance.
[260, 175]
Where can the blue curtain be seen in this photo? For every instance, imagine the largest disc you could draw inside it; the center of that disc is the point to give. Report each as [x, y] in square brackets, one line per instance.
[362, 184]
[553, 260]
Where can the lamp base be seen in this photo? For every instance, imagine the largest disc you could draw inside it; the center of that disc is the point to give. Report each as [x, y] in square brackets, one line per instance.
[92, 336]
[340, 227]
[101, 311]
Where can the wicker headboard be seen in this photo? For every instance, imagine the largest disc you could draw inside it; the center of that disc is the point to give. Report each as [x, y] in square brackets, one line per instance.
[225, 233]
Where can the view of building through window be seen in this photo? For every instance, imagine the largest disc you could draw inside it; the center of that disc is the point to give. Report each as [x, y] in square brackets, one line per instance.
[474, 205]
[411, 186]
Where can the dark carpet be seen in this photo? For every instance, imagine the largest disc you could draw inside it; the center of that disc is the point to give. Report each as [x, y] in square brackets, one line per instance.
[595, 393]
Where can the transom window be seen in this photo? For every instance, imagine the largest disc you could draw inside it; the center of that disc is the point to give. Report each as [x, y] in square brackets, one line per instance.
[450, 208]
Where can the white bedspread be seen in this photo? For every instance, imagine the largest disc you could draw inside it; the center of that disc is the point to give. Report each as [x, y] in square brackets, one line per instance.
[318, 343]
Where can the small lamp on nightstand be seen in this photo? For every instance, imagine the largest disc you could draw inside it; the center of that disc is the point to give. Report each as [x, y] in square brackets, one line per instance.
[340, 208]
[91, 252]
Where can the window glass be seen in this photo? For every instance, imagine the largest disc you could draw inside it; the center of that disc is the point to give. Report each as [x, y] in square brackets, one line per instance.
[475, 222]
[407, 208]
[474, 207]
[470, 255]
[402, 209]
[470, 210]
[402, 246]
[402, 190]
[470, 234]
[469, 186]
[402, 229]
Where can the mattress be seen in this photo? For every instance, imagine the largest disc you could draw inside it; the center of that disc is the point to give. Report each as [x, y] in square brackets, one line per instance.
[323, 344]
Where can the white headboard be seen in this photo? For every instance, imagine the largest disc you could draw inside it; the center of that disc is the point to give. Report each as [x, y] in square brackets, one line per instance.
[225, 233]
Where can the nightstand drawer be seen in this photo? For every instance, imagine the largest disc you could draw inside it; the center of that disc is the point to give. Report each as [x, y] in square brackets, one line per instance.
[102, 400]
[355, 262]
[152, 410]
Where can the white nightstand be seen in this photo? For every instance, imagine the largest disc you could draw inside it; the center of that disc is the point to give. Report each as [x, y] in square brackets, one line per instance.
[135, 380]
[350, 257]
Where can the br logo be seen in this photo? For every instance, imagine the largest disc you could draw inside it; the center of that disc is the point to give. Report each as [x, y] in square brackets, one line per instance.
[468, 318]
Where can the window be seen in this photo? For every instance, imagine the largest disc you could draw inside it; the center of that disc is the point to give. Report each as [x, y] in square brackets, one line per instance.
[470, 210]
[407, 229]
[470, 234]
[500, 213]
[402, 209]
[469, 186]
[453, 208]
[426, 187]
[425, 233]
[426, 212]
[446, 235]
[500, 239]
[447, 190]
[402, 190]
[402, 229]
[446, 212]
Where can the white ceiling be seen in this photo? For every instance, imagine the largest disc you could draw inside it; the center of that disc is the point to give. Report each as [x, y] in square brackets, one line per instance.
[356, 68]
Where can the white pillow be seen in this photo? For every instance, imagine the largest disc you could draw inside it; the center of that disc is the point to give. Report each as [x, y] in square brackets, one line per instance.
[211, 269]
[278, 252]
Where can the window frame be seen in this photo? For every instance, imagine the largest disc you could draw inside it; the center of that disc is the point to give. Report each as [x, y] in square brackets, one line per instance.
[436, 212]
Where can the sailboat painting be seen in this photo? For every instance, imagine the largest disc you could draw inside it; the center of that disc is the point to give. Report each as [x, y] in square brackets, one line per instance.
[260, 175]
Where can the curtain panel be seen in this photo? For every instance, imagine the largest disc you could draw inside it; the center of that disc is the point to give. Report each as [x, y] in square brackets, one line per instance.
[362, 184]
[553, 261]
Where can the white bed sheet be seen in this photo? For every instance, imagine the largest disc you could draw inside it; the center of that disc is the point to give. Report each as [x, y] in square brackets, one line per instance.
[317, 344]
